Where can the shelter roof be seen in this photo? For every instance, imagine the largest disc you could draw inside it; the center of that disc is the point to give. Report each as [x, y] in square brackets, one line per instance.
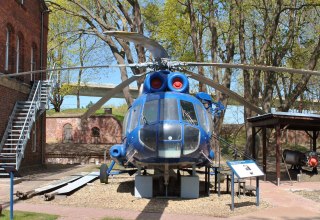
[292, 121]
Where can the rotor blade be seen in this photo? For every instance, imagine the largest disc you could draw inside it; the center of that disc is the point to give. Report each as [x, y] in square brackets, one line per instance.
[225, 90]
[138, 65]
[109, 95]
[154, 47]
[247, 67]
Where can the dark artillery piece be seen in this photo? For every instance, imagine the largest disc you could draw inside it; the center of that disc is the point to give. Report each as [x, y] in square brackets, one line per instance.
[298, 159]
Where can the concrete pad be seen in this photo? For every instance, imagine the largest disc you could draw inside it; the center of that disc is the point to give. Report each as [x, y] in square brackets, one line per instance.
[143, 186]
[190, 187]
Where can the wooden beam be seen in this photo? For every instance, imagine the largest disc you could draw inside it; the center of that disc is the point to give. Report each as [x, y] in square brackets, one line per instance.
[278, 159]
[264, 152]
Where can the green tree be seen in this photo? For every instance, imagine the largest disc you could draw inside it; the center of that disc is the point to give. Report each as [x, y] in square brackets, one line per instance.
[101, 16]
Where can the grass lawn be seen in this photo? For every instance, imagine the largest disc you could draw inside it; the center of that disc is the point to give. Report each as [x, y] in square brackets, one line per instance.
[119, 114]
[17, 215]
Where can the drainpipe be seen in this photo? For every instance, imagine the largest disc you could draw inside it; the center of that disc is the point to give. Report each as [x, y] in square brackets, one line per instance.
[42, 117]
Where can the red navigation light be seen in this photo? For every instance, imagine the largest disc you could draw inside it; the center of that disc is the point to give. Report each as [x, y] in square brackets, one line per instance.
[177, 83]
[156, 83]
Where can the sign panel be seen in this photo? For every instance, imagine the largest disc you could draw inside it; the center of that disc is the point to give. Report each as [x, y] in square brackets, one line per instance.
[245, 168]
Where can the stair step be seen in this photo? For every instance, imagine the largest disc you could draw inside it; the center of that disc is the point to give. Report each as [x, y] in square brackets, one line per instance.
[8, 154]
[19, 130]
[7, 164]
[16, 135]
[20, 106]
[8, 149]
[23, 110]
[7, 159]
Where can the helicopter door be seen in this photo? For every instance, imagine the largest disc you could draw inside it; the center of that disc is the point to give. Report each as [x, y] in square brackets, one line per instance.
[191, 132]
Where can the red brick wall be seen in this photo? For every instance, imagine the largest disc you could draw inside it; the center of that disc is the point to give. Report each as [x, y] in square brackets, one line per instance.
[34, 151]
[24, 21]
[110, 130]
[8, 99]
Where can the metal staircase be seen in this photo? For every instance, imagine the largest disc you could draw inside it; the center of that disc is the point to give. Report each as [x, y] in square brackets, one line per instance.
[17, 133]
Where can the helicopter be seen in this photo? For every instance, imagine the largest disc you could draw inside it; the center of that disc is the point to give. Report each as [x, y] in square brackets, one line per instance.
[166, 128]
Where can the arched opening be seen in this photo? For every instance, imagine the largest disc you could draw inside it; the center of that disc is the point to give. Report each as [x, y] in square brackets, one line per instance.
[67, 133]
[95, 134]
[8, 48]
[19, 55]
[33, 60]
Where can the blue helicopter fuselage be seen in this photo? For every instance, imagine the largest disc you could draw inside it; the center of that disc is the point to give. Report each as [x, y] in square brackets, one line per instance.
[165, 127]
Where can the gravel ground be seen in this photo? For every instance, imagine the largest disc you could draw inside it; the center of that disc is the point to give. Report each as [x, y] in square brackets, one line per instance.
[118, 194]
[312, 195]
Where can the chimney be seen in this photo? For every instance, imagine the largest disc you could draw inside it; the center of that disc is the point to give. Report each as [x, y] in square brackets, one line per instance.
[108, 111]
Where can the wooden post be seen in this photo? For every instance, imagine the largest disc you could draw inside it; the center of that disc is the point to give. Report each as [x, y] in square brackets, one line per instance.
[314, 141]
[253, 153]
[278, 137]
[264, 152]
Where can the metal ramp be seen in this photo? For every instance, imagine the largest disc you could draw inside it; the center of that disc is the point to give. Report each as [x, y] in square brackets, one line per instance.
[72, 186]
[47, 188]
[21, 121]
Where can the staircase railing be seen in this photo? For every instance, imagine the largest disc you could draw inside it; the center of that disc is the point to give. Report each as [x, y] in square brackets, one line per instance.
[6, 132]
[22, 142]
[52, 82]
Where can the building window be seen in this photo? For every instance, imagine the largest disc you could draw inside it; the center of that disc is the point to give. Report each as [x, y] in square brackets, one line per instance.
[33, 60]
[21, 2]
[67, 133]
[95, 133]
[19, 55]
[6, 65]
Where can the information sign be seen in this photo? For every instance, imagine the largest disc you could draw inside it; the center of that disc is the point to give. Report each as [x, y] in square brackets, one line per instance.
[245, 168]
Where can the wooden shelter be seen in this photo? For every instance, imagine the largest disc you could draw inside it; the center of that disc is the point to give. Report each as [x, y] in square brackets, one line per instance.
[310, 123]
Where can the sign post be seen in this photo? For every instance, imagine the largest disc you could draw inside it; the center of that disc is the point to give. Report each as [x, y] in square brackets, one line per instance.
[12, 172]
[244, 169]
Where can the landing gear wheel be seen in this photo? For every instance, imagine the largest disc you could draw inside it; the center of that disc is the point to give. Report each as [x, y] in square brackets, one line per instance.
[103, 174]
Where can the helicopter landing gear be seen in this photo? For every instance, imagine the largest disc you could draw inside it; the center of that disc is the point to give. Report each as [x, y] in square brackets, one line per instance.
[103, 173]
[166, 177]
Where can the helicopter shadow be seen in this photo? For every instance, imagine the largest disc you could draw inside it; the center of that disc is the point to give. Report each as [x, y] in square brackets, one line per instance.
[126, 187]
[241, 204]
[154, 209]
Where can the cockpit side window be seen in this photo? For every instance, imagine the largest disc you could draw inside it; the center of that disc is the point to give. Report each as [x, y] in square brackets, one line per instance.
[188, 113]
[150, 112]
[135, 112]
[125, 124]
[168, 109]
[210, 122]
[201, 115]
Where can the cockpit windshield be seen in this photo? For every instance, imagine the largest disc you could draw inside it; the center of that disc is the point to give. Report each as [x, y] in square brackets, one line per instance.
[168, 111]
[150, 112]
